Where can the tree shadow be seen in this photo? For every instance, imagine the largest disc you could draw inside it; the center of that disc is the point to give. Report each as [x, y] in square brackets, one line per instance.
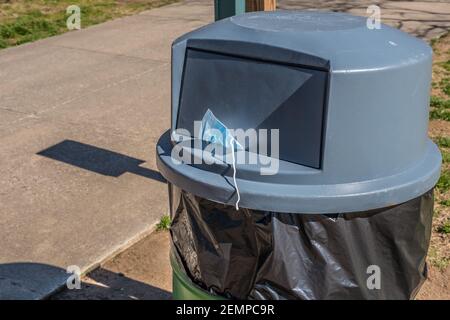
[32, 281]
[98, 160]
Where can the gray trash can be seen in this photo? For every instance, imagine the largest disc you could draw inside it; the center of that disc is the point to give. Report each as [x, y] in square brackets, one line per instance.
[339, 201]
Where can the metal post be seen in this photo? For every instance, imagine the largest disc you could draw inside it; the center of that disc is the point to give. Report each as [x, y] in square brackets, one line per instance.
[228, 8]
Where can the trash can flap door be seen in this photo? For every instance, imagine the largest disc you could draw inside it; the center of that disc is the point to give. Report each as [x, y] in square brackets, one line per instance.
[253, 94]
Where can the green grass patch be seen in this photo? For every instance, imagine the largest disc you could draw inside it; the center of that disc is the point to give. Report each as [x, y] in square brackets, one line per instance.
[24, 21]
[445, 203]
[446, 65]
[440, 114]
[445, 86]
[29, 28]
[436, 258]
[440, 108]
[442, 142]
[444, 181]
[445, 156]
[433, 42]
[164, 223]
[3, 44]
[445, 228]
[441, 263]
[436, 102]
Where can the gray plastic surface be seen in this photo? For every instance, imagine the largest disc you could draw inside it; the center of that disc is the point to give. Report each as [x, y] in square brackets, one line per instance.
[375, 151]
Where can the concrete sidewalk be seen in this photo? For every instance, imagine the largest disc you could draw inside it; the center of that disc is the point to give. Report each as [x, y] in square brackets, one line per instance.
[79, 118]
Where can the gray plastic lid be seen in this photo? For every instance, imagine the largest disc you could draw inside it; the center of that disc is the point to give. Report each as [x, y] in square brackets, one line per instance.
[342, 39]
[375, 150]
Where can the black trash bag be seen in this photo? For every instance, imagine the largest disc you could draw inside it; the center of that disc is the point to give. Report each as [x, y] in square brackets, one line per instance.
[253, 254]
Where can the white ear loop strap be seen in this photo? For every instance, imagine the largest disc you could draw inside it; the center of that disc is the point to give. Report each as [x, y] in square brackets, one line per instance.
[234, 174]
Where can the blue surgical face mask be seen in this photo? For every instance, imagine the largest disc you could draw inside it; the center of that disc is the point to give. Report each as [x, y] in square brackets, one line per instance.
[212, 130]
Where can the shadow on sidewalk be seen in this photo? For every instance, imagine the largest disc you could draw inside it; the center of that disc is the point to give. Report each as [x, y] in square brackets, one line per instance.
[98, 160]
[31, 281]
[113, 286]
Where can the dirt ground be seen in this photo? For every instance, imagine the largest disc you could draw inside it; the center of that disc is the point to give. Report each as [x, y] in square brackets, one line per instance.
[437, 286]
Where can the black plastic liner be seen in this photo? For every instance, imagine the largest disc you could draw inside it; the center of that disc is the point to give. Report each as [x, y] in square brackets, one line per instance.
[252, 254]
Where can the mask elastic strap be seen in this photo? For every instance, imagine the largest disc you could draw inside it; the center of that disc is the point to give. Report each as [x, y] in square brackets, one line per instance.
[234, 174]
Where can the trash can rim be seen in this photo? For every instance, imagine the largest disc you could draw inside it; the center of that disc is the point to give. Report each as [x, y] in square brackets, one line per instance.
[306, 199]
